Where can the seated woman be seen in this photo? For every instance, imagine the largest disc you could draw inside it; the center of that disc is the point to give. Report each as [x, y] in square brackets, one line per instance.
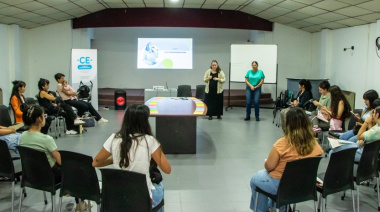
[368, 132]
[324, 100]
[298, 142]
[369, 97]
[34, 116]
[133, 147]
[18, 102]
[17, 99]
[45, 99]
[69, 97]
[304, 95]
[340, 108]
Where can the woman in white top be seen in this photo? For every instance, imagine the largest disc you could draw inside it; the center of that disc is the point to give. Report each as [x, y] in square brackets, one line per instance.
[133, 147]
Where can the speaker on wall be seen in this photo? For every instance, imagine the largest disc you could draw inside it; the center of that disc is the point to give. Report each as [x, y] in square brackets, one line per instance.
[120, 100]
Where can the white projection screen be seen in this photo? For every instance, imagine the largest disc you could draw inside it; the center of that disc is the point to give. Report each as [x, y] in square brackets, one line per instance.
[165, 53]
[242, 56]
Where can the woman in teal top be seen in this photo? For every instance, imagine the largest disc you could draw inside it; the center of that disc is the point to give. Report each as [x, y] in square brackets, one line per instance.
[253, 79]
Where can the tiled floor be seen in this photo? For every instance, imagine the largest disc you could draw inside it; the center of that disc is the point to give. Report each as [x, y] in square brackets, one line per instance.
[216, 179]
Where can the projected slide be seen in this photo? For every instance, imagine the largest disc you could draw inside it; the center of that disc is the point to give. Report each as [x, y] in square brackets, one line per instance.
[165, 53]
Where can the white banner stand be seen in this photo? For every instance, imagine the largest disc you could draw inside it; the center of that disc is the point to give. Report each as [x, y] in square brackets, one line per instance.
[84, 67]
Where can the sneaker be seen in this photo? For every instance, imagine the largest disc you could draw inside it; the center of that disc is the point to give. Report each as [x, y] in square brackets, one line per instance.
[84, 206]
[103, 120]
[79, 122]
[210, 118]
[71, 132]
[257, 119]
[219, 117]
[247, 118]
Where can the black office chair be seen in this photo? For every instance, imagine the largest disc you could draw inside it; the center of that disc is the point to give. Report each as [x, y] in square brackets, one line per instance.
[77, 166]
[367, 167]
[200, 92]
[338, 176]
[125, 191]
[5, 118]
[9, 168]
[184, 91]
[297, 183]
[37, 173]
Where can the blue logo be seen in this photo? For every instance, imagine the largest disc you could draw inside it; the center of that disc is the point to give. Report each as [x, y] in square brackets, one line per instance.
[85, 63]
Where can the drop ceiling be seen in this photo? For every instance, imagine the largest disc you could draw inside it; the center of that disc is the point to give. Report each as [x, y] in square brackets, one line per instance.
[307, 15]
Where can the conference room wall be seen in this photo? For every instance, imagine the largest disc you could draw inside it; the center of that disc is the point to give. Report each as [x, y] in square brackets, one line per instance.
[117, 55]
[4, 61]
[356, 70]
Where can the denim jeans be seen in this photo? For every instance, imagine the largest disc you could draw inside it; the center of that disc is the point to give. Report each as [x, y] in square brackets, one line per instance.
[253, 96]
[266, 183]
[157, 194]
[349, 136]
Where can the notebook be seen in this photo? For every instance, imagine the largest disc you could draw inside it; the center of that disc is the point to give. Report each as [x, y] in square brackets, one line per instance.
[337, 142]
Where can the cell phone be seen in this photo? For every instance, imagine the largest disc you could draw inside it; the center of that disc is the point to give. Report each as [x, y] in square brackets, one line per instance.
[352, 112]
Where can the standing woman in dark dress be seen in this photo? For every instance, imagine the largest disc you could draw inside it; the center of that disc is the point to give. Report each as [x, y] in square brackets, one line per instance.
[214, 79]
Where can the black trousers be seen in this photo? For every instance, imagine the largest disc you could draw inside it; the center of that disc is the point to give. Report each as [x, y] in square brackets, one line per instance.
[82, 107]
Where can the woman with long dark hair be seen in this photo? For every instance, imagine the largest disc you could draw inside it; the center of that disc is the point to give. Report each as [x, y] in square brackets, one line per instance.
[214, 79]
[17, 99]
[45, 99]
[340, 108]
[18, 104]
[133, 147]
[298, 142]
[369, 97]
[304, 95]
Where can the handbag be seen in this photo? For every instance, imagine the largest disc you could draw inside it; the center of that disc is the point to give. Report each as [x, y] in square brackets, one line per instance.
[335, 124]
[154, 172]
[155, 175]
[323, 116]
